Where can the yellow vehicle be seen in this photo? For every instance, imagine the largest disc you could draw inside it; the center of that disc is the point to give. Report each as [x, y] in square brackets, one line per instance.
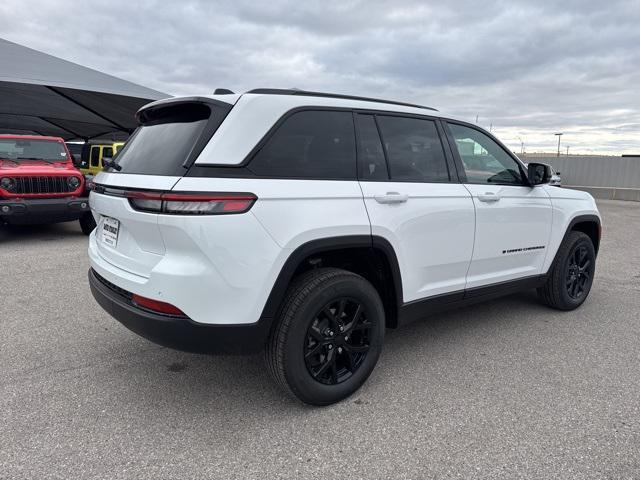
[93, 155]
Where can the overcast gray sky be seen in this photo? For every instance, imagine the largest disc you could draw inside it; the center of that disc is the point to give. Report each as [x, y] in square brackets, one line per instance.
[529, 68]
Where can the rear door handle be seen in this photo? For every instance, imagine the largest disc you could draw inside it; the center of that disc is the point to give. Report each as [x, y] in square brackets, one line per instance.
[489, 197]
[391, 197]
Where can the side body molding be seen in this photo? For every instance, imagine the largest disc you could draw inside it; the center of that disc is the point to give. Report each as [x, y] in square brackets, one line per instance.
[402, 312]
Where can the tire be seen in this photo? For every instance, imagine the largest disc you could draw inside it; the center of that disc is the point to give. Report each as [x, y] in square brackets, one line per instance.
[571, 276]
[87, 223]
[308, 354]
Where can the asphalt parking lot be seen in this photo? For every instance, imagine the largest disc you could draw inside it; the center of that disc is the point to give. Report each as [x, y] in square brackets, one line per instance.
[505, 389]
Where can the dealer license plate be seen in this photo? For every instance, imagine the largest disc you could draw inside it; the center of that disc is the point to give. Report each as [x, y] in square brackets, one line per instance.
[110, 228]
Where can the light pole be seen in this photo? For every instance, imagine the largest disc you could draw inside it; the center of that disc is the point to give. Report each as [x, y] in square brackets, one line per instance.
[521, 146]
[558, 135]
[567, 150]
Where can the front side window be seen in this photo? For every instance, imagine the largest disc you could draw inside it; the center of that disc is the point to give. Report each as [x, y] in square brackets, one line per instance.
[414, 149]
[310, 144]
[484, 161]
[107, 152]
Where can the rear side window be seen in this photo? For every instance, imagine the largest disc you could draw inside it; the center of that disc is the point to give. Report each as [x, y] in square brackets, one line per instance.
[371, 162]
[414, 149]
[310, 144]
[95, 156]
[167, 138]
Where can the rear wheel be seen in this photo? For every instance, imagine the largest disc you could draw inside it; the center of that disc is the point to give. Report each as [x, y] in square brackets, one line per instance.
[571, 276]
[328, 337]
[87, 223]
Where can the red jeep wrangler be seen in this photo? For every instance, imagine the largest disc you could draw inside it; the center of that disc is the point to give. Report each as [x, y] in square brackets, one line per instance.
[40, 184]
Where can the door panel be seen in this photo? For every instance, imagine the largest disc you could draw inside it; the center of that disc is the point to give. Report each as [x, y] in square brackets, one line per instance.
[513, 220]
[404, 175]
[431, 232]
[512, 233]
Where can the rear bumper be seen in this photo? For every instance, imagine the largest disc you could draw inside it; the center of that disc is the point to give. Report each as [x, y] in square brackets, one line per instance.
[179, 333]
[43, 210]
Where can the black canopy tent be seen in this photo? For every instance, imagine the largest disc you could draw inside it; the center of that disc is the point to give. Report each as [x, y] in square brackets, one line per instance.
[45, 95]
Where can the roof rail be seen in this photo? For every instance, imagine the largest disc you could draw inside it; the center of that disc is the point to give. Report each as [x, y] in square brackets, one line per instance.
[305, 93]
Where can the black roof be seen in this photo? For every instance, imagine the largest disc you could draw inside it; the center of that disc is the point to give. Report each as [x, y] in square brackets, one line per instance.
[306, 93]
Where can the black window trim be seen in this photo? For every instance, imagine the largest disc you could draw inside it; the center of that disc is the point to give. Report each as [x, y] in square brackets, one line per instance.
[458, 160]
[241, 170]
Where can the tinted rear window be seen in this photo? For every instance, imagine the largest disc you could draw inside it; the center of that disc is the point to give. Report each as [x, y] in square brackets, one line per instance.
[310, 144]
[167, 138]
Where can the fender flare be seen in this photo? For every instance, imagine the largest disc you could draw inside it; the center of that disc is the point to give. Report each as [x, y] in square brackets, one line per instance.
[587, 218]
[327, 244]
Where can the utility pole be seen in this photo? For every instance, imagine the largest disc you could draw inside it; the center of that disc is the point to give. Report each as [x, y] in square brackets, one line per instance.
[567, 150]
[476, 119]
[558, 135]
[521, 146]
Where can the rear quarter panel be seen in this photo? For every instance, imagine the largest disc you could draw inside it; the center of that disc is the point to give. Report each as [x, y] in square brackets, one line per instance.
[247, 260]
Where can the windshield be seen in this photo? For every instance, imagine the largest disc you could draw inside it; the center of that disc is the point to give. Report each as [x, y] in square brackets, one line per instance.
[19, 149]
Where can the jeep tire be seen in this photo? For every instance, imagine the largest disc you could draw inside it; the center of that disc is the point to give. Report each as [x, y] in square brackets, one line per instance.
[571, 275]
[328, 336]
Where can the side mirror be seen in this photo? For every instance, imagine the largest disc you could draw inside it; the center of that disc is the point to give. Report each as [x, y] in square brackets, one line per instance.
[538, 173]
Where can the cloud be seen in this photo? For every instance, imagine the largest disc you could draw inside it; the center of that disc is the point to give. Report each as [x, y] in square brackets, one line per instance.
[528, 69]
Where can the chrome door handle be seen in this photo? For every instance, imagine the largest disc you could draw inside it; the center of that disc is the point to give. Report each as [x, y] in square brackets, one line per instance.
[391, 197]
[489, 197]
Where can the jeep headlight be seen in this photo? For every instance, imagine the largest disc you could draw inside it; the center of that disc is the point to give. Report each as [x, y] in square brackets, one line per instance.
[8, 184]
[73, 182]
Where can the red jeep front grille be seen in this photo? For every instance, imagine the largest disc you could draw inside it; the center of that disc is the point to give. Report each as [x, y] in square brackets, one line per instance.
[32, 185]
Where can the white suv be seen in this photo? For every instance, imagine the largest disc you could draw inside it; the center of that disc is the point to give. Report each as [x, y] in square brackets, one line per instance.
[304, 224]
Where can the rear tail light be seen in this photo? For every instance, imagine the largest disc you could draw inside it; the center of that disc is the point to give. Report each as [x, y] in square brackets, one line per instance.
[145, 201]
[184, 203]
[157, 306]
[207, 204]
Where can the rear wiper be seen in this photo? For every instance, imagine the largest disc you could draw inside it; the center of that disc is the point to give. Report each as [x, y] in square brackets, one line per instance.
[111, 164]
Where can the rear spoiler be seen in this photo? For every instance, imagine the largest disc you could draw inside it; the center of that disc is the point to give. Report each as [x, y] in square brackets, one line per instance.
[144, 113]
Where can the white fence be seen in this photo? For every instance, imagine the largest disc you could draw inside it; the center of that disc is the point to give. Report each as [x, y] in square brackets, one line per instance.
[612, 178]
[610, 172]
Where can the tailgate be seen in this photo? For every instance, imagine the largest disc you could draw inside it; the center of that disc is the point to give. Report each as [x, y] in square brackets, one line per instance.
[126, 238]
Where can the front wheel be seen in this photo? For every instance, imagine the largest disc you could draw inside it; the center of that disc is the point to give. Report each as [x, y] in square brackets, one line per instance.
[328, 337]
[571, 275]
[87, 223]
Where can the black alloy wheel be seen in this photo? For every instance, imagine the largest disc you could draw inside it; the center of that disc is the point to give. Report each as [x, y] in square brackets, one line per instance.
[579, 271]
[337, 341]
[570, 277]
